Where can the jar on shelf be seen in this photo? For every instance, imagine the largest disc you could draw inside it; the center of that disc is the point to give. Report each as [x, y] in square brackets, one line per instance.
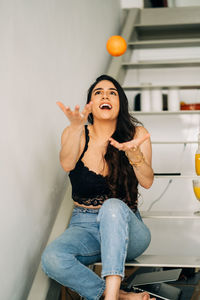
[145, 100]
[173, 99]
[156, 99]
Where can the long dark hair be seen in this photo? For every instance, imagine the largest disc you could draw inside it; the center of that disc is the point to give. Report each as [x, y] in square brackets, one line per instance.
[121, 177]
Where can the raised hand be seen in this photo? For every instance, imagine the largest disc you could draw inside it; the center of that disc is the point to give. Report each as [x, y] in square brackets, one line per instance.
[76, 117]
[132, 145]
[132, 149]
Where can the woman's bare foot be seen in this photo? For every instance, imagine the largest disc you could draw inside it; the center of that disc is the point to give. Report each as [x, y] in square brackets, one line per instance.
[134, 296]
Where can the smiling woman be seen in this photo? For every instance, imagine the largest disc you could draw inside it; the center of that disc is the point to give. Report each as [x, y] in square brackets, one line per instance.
[106, 160]
[105, 97]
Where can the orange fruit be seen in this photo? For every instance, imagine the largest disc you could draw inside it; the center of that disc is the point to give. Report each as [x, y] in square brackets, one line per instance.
[116, 45]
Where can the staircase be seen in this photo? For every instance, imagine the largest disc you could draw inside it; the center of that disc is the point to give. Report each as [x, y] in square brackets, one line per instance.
[157, 28]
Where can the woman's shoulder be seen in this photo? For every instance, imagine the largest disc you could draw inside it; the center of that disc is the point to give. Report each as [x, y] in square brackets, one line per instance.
[140, 131]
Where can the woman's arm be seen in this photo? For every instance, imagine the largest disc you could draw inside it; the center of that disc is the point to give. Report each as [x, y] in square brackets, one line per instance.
[143, 170]
[72, 135]
[139, 154]
[70, 146]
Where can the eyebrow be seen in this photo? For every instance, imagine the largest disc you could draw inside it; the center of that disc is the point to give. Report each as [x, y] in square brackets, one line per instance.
[102, 89]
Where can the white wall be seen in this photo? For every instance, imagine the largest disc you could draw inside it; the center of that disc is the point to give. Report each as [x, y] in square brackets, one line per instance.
[50, 50]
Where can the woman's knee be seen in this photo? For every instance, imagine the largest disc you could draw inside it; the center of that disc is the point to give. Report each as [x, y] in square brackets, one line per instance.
[113, 208]
[55, 260]
[138, 242]
[114, 204]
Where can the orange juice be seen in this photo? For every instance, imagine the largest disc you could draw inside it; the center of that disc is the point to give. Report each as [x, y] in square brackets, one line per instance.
[197, 163]
[197, 192]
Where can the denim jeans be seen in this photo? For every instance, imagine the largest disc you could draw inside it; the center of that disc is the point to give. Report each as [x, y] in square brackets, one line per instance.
[112, 234]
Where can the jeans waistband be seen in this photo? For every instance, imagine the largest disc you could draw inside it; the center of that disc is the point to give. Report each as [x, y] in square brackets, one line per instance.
[84, 209]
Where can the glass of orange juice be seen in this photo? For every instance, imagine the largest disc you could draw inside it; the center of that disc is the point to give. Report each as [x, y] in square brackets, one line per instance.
[197, 163]
[196, 188]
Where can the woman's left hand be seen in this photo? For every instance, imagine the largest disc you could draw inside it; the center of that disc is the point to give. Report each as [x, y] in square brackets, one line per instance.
[138, 152]
[132, 145]
[132, 149]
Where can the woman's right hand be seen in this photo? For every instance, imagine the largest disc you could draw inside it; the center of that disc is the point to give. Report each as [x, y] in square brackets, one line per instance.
[76, 117]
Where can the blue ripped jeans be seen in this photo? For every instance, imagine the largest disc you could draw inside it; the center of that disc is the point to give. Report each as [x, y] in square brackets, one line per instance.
[112, 234]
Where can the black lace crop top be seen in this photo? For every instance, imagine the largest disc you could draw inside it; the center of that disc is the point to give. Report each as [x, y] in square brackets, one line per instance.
[88, 188]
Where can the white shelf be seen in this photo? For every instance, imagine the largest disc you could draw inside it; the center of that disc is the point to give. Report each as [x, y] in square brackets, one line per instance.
[165, 43]
[164, 63]
[169, 215]
[174, 142]
[179, 112]
[173, 261]
[177, 176]
[151, 260]
[140, 87]
[177, 25]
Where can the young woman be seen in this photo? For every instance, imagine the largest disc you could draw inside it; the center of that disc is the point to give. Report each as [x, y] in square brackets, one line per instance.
[106, 160]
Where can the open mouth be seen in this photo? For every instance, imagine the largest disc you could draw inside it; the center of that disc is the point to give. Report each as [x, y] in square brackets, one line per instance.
[105, 106]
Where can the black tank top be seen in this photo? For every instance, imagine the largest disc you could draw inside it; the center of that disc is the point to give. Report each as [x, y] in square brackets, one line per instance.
[88, 188]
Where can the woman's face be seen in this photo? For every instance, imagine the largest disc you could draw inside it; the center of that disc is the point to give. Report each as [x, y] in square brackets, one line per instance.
[105, 100]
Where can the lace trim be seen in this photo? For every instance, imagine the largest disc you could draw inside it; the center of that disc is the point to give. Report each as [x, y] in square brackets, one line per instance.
[98, 200]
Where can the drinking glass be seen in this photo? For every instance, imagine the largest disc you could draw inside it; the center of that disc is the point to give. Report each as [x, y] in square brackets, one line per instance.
[196, 189]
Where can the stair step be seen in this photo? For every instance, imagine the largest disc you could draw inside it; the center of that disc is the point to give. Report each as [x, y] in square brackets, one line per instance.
[162, 43]
[139, 87]
[165, 63]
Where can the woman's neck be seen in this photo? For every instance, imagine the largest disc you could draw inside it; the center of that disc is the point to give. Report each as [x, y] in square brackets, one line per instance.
[103, 129]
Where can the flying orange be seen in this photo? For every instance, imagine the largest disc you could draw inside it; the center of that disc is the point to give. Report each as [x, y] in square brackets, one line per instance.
[116, 45]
